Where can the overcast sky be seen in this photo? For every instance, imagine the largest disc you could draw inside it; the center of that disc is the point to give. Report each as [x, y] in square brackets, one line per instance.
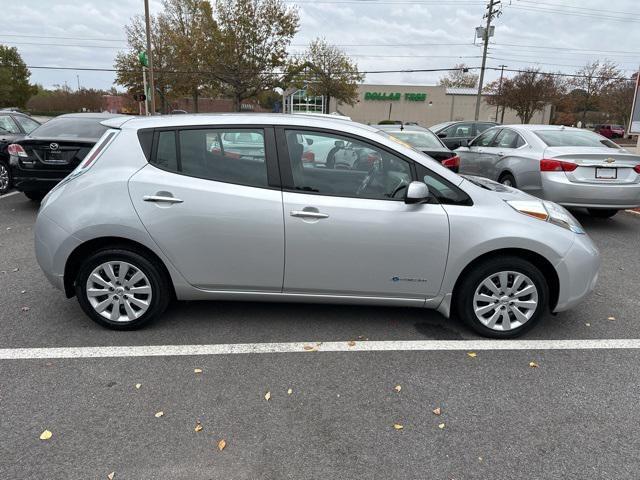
[555, 35]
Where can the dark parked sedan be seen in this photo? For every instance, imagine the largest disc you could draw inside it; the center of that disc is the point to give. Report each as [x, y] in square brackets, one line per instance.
[456, 134]
[53, 150]
[13, 127]
[426, 141]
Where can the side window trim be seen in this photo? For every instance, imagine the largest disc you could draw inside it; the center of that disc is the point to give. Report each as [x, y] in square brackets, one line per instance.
[286, 170]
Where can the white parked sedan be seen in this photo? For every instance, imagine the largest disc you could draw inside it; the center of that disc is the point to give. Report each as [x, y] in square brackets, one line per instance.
[569, 166]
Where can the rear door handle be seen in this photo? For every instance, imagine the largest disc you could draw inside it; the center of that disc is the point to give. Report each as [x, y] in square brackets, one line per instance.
[308, 214]
[160, 199]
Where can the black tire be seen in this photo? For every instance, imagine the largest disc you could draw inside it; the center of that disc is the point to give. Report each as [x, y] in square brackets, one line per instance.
[35, 195]
[465, 292]
[602, 212]
[5, 173]
[161, 292]
[508, 180]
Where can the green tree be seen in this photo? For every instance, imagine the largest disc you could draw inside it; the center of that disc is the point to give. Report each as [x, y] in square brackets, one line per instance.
[460, 77]
[526, 93]
[250, 48]
[326, 70]
[15, 89]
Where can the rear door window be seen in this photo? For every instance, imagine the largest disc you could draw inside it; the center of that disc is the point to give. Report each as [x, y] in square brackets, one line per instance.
[505, 139]
[27, 124]
[485, 139]
[8, 125]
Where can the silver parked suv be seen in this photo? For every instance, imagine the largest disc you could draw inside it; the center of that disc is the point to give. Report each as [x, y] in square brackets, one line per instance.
[167, 207]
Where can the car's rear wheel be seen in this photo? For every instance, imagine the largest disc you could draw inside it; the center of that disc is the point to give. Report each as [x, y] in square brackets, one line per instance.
[602, 212]
[5, 177]
[122, 290]
[502, 297]
[35, 195]
[508, 180]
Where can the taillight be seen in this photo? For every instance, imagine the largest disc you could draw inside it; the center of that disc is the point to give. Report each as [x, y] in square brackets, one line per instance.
[637, 168]
[549, 165]
[16, 150]
[453, 163]
[308, 157]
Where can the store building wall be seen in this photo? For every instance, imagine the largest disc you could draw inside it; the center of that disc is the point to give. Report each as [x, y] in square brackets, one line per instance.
[426, 105]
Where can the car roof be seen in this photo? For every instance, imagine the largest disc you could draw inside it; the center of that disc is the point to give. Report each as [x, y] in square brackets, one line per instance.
[539, 127]
[204, 119]
[404, 128]
[96, 115]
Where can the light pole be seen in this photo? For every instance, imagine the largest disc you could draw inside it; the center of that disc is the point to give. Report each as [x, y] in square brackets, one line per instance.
[485, 37]
[152, 96]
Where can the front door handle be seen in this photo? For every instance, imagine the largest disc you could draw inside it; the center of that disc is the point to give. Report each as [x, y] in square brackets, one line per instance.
[160, 199]
[308, 214]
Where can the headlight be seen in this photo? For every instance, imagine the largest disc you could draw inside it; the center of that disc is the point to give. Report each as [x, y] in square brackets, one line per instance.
[548, 212]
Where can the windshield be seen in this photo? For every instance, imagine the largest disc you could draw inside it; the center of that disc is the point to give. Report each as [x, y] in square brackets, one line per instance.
[417, 139]
[70, 127]
[573, 138]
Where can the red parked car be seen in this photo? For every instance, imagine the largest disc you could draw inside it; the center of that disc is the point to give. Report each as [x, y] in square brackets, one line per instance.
[610, 131]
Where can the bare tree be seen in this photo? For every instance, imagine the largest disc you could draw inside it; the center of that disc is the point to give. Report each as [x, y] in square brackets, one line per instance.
[460, 77]
[616, 101]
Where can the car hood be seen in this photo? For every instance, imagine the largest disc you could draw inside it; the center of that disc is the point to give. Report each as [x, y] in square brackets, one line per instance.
[502, 191]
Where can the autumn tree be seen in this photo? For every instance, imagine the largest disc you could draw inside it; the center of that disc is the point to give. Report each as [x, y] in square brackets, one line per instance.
[591, 81]
[129, 70]
[250, 48]
[15, 89]
[459, 77]
[191, 30]
[326, 70]
[616, 101]
[526, 93]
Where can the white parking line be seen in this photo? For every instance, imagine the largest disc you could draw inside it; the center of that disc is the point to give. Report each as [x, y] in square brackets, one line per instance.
[311, 347]
[9, 194]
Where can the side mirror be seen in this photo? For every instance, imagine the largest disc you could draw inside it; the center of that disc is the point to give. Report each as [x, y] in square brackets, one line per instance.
[442, 135]
[417, 192]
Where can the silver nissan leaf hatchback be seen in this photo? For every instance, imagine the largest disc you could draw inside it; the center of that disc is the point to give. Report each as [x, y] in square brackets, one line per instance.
[255, 207]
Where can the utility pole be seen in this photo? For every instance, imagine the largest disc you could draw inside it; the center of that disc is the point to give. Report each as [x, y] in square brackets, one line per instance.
[78, 77]
[502, 67]
[489, 15]
[152, 96]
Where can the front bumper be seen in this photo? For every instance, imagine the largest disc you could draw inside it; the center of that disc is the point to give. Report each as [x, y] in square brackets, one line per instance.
[577, 273]
[557, 188]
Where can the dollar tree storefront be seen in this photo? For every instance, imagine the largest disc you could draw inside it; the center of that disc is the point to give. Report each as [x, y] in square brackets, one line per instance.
[425, 105]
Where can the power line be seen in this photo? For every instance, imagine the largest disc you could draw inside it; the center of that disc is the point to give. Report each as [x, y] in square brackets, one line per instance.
[571, 7]
[101, 39]
[575, 14]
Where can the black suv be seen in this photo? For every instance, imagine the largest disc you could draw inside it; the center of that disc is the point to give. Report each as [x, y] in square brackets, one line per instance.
[456, 134]
[13, 126]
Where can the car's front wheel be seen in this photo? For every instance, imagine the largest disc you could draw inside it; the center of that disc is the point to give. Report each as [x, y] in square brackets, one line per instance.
[502, 297]
[5, 177]
[602, 212]
[122, 290]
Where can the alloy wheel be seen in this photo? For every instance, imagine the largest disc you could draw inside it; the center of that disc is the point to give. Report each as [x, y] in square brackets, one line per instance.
[119, 291]
[505, 300]
[4, 178]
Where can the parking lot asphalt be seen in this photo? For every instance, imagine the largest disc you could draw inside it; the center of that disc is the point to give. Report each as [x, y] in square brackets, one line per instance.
[575, 415]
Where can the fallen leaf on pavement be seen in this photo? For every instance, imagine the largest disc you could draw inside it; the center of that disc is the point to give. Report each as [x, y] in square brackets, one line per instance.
[437, 411]
[46, 435]
[611, 318]
[23, 291]
[533, 364]
[267, 396]
[111, 476]
[588, 324]
[441, 426]
[397, 426]
[198, 427]
[197, 370]
[221, 445]
[351, 343]
[25, 309]
[16, 269]
[138, 385]
[472, 354]
[159, 414]
[397, 388]
[310, 348]
[289, 392]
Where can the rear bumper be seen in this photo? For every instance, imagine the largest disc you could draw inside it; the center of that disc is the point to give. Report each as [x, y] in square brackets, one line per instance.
[31, 180]
[557, 188]
[53, 245]
[577, 273]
